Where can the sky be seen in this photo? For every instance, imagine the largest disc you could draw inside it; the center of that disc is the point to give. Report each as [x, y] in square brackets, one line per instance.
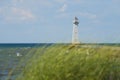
[51, 21]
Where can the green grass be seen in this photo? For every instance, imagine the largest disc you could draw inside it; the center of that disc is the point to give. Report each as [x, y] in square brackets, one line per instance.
[59, 62]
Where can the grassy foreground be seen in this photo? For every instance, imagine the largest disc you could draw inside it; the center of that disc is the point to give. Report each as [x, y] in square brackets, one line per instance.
[59, 62]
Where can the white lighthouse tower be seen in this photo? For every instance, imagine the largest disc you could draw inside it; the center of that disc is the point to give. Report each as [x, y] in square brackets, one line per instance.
[75, 39]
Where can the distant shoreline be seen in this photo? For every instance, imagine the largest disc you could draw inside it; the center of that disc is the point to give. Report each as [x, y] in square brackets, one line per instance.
[7, 45]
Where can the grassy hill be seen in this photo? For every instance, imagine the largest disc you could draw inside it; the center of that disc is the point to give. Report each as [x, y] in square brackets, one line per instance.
[62, 62]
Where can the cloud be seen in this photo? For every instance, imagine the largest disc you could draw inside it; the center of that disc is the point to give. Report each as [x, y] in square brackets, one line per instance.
[0, 10]
[96, 21]
[116, 0]
[16, 1]
[61, 1]
[13, 14]
[88, 15]
[18, 11]
[21, 0]
[22, 14]
[63, 8]
[62, 15]
[69, 1]
[45, 3]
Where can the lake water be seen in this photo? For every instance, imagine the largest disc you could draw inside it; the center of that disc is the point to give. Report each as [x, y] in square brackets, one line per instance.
[10, 56]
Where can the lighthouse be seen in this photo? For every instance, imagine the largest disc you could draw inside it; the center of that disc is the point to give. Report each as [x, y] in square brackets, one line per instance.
[75, 39]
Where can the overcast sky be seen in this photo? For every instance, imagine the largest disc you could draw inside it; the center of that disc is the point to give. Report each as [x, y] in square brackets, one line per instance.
[50, 21]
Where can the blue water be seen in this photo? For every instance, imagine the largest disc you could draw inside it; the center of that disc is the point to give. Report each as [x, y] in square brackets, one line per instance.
[9, 59]
[14, 45]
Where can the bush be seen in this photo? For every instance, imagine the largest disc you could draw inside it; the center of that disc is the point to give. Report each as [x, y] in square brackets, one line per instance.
[59, 62]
